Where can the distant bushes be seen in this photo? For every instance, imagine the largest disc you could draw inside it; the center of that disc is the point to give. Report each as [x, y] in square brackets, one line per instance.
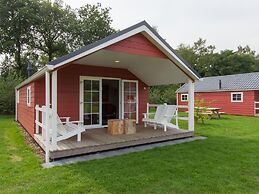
[163, 94]
[7, 93]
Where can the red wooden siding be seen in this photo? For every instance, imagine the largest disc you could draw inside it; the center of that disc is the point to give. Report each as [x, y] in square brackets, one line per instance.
[223, 100]
[137, 44]
[26, 116]
[68, 87]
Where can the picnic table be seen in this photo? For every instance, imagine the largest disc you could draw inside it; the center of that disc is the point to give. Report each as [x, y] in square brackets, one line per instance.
[211, 112]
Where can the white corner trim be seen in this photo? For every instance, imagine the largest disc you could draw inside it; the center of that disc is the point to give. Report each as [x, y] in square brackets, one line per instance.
[242, 96]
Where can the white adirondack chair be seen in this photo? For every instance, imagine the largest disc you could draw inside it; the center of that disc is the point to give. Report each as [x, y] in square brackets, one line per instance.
[67, 128]
[163, 116]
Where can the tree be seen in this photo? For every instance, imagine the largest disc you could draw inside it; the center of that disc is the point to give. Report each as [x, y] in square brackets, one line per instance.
[7, 93]
[16, 22]
[52, 34]
[94, 23]
[229, 62]
[163, 94]
[199, 55]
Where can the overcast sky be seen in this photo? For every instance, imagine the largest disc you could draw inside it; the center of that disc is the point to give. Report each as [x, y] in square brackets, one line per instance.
[223, 23]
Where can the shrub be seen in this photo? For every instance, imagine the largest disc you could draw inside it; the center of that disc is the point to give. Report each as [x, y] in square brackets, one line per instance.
[7, 93]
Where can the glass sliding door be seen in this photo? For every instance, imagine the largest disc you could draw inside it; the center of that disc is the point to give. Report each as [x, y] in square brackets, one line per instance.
[130, 99]
[91, 102]
[110, 100]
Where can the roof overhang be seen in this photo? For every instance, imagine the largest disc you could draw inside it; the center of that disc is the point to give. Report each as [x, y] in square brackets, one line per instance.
[153, 71]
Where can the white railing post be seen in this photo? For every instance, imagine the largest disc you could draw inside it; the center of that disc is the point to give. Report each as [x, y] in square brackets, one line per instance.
[191, 106]
[37, 112]
[176, 117]
[47, 120]
[54, 109]
[147, 108]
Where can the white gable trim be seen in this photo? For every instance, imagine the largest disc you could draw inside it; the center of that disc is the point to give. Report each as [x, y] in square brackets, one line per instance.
[99, 47]
[140, 29]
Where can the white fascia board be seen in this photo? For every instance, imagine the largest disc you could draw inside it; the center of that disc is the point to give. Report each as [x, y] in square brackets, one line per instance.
[181, 63]
[108, 43]
[33, 77]
[124, 36]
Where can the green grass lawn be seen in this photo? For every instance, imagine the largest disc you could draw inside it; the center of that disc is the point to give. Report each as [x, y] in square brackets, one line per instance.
[226, 162]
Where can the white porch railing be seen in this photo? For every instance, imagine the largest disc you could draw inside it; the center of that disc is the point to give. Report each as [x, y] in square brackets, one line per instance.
[40, 121]
[256, 108]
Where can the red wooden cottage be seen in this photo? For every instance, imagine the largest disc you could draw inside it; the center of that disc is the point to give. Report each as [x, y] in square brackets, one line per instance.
[234, 94]
[108, 79]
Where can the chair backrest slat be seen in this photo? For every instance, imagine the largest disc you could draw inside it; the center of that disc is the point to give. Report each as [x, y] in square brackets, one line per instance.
[160, 112]
[170, 111]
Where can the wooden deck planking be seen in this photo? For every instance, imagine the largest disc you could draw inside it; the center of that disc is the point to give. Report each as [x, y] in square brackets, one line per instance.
[95, 140]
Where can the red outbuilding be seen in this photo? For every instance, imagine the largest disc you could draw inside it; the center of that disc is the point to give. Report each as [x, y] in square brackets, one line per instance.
[234, 94]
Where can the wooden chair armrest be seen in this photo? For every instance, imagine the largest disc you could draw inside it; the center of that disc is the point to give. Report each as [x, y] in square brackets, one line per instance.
[76, 121]
[150, 113]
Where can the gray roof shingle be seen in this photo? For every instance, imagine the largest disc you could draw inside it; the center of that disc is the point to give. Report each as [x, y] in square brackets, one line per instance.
[246, 81]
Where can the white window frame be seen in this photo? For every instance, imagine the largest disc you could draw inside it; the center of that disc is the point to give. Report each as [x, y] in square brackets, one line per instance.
[82, 78]
[18, 96]
[235, 93]
[182, 97]
[137, 100]
[28, 96]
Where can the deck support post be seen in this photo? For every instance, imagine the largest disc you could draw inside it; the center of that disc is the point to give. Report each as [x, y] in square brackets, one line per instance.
[47, 121]
[54, 109]
[191, 106]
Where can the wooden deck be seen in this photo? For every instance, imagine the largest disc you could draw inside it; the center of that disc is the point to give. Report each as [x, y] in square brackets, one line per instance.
[96, 140]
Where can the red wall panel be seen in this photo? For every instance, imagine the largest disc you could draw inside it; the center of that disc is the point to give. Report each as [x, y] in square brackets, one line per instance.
[68, 87]
[137, 44]
[26, 116]
[223, 100]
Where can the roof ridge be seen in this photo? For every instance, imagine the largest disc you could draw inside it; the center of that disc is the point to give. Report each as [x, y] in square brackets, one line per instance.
[231, 75]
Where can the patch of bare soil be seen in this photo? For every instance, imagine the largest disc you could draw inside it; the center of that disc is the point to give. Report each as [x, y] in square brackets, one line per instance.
[33, 144]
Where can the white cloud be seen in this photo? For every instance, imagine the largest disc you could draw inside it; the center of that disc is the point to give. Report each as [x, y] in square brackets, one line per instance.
[224, 23]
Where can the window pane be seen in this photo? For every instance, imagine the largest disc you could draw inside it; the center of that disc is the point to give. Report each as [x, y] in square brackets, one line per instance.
[95, 119]
[95, 97]
[87, 96]
[87, 108]
[133, 86]
[95, 85]
[87, 119]
[132, 116]
[126, 86]
[126, 115]
[87, 84]
[95, 108]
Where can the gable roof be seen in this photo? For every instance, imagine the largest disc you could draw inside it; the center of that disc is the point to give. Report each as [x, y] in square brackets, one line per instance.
[113, 38]
[246, 81]
[141, 27]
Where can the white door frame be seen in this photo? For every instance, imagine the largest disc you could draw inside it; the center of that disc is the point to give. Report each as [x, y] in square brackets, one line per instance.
[81, 96]
[137, 100]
